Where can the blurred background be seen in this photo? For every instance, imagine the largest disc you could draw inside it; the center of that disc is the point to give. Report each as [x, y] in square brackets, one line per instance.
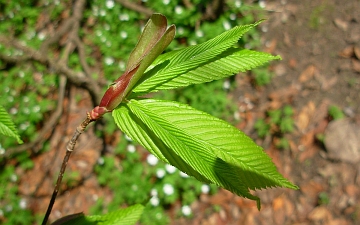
[58, 57]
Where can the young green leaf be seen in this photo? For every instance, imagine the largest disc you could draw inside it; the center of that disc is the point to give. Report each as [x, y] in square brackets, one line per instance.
[211, 54]
[229, 62]
[216, 150]
[126, 216]
[7, 127]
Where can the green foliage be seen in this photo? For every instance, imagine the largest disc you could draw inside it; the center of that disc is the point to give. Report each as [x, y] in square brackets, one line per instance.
[12, 206]
[127, 216]
[27, 90]
[278, 123]
[335, 112]
[7, 127]
[27, 97]
[324, 198]
[261, 76]
[316, 16]
[262, 128]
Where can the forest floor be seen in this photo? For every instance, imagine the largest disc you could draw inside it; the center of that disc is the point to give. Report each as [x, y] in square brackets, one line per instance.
[319, 42]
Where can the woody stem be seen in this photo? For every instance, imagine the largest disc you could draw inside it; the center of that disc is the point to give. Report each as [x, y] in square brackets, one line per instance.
[69, 149]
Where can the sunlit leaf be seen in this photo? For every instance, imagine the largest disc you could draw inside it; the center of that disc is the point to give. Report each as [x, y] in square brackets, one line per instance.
[216, 150]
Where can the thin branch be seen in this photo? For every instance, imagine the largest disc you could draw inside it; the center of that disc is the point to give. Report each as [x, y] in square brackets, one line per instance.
[77, 78]
[69, 149]
[136, 7]
[66, 26]
[82, 55]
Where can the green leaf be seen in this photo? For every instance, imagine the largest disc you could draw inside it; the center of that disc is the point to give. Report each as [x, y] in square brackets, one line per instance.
[215, 149]
[7, 127]
[126, 216]
[230, 62]
[138, 131]
[171, 65]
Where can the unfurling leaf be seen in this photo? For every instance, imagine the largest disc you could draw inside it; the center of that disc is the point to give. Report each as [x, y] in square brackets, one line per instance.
[153, 41]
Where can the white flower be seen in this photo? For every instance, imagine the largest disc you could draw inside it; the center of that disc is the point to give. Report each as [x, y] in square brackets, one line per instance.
[122, 67]
[199, 33]
[264, 28]
[24, 126]
[152, 160]
[237, 115]
[166, 2]
[186, 210]
[102, 12]
[98, 33]
[36, 109]
[21, 74]
[178, 9]
[154, 201]
[131, 148]
[159, 216]
[192, 42]
[226, 85]
[123, 34]
[153, 192]
[160, 173]
[126, 137]
[170, 169]
[101, 161]
[262, 3]
[184, 175]
[109, 4]
[13, 111]
[13, 177]
[109, 61]
[124, 17]
[233, 16]
[10, 98]
[205, 188]
[180, 30]
[26, 99]
[41, 36]
[134, 187]
[8, 208]
[238, 3]
[2, 150]
[226, 25]
[168, 189]
[95, 10]
[23, 203]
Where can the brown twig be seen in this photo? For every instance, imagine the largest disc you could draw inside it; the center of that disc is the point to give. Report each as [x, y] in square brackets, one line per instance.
[136, 7]
[77, 78]
[69, 149]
